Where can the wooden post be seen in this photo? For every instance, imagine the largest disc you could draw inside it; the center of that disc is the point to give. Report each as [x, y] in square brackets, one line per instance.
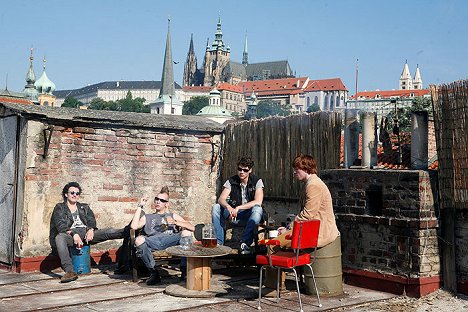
[449, 270]
[198, 273]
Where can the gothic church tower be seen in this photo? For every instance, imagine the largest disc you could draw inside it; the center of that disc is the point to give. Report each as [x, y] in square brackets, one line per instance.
[406, 82]
[216, 58]
[190, 68]
[417, 81]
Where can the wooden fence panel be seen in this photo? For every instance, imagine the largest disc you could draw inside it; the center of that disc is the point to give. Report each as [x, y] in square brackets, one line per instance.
[450, 104]
[274, 142]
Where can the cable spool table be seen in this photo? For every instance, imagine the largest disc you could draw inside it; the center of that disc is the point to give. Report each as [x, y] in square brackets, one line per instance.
[198, 270]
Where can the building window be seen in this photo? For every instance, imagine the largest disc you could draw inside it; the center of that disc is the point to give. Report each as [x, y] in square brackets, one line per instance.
[172, 111]
[308, 101]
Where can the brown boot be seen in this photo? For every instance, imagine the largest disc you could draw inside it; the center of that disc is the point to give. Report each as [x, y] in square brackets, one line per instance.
[69, 277]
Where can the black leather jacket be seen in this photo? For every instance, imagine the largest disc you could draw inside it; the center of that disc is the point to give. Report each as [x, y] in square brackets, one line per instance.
[62, 219]
[235, 197]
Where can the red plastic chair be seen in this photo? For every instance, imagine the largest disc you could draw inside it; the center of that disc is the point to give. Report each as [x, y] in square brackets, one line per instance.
[304, 236]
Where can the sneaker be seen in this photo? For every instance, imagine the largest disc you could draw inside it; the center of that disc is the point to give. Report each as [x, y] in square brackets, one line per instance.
[154, 279]
[244, 249]
[69, 277]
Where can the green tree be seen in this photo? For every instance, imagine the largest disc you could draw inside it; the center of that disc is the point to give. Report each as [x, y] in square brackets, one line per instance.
[267, 108]
[313, 108]
[99, 104]
[194, 105]
[128, 104]
[70, 101]
[404, 114]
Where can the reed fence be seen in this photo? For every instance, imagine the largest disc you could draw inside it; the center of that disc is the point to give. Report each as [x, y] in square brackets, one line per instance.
[274, 142]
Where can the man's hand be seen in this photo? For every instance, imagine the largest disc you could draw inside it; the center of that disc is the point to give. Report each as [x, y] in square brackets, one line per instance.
[233, 212]
[143, 202]
[170, 220]
[89, 235]
[281, 230]
[77, 240]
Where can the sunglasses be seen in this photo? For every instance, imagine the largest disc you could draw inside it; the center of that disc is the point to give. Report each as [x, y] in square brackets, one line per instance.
[74, 193]
[242, 169]
[160, 199]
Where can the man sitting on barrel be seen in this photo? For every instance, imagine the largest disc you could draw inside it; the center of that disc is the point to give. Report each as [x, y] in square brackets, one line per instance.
[73, 224]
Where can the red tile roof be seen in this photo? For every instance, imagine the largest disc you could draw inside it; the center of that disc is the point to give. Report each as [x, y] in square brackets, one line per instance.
[229, 87]
[15, 100]
[284, 86]
[333, 84]
[385, 94]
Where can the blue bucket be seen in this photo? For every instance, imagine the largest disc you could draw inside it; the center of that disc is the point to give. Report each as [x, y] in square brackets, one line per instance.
[81, 259]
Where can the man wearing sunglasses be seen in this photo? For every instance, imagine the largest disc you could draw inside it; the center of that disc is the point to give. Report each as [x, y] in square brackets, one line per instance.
[161, 230]
[73, 224]
[241, 203]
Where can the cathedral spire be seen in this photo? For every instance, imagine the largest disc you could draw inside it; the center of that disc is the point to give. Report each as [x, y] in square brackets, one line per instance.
[190, 67]
[218, 43]
[245, 55]
[406, 82]
[167, 78]
[167, 102]
[417, 81]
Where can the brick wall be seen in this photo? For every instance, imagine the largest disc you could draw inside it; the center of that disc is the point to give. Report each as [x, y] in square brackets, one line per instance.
[387, 220]
[115, 165]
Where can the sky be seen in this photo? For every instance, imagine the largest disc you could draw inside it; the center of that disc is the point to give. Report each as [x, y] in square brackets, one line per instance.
[89, 41]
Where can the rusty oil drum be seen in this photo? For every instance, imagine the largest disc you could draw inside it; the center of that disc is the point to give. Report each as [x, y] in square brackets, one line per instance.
[327, 270]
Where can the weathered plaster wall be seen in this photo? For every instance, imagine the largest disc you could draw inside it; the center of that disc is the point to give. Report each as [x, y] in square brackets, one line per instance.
[115, 166]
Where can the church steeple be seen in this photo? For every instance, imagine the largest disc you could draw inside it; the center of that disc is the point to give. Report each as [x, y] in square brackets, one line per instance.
[29, 89]
[417, 81]
[406, 82]
[167, 102]
[190, 67]
[245, 55]
[167, 78]
[218, 43]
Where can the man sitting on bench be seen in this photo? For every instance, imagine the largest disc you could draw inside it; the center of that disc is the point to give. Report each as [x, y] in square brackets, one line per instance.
[161, 230]
[245, 193]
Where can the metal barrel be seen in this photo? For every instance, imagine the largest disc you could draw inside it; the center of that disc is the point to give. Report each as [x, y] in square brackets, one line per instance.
[327, 270]
[81, 259]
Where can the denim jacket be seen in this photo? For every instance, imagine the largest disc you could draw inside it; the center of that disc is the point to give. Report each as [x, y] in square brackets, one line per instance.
[62, 219]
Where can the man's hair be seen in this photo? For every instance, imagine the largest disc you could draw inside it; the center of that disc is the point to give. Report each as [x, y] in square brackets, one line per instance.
[164, 190]
[306, 163]
[67, 187]
[245, 162]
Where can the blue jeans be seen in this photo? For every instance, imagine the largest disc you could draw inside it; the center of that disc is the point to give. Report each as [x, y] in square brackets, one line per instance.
[156, 242]
[250, 218]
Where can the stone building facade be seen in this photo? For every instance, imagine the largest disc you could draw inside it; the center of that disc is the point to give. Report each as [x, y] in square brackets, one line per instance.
[116, 157]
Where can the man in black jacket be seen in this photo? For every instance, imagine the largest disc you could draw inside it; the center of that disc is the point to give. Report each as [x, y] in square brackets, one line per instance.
[240, 202]
[73, 223]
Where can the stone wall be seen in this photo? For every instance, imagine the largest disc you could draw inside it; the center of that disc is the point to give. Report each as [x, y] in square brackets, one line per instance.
[116, 157]
[388, 223]
[115, 167]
